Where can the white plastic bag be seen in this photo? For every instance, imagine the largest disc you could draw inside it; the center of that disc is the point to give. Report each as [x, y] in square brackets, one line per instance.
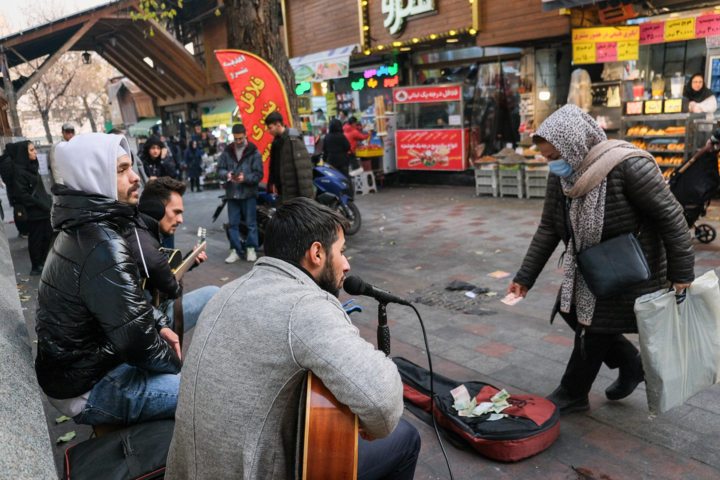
[680, 343]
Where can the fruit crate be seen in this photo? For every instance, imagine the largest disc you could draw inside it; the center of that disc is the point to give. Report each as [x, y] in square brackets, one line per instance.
[486, 180]
[536, 181]
[511, 182]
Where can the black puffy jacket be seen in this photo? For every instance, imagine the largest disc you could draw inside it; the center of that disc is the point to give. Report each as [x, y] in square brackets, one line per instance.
[92, 315]
[28, 188]
[636, 196]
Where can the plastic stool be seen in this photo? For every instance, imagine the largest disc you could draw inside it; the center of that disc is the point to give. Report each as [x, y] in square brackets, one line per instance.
[365, 183]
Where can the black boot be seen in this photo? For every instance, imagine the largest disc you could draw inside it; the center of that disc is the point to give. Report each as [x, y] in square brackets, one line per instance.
[568, 403]
[630, 377]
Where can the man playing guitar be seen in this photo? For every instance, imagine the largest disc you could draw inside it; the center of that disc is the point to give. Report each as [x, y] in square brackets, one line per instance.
[241, 393]
[145, 240]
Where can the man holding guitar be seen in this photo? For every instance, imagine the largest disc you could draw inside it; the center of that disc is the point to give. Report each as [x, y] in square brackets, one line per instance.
[242, 394]
[162, 199]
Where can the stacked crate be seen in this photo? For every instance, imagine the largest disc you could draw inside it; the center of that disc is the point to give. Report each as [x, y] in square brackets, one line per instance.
[486, 179]
[511, 180]
[536, 180]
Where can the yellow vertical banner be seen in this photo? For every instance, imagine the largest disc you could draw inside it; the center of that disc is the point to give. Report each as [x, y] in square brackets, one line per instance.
[680, 29]
[583, 53]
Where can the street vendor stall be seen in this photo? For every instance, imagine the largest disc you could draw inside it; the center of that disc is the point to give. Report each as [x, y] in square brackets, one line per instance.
[430, 133]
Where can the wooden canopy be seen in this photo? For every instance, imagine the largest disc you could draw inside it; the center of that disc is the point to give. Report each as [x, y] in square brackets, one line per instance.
[174, 77]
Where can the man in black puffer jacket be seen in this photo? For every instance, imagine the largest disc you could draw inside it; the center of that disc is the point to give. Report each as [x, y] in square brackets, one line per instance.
[104, 354]
[631, 198]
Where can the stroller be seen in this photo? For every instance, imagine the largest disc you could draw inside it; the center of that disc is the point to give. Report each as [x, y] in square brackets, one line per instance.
[693, 185]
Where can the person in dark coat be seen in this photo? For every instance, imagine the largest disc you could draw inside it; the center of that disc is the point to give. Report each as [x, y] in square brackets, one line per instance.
[291, 169]
[105, 356]
[156, 161]
[631, 198]
[32, 203]
[336, 148]
[193, 165]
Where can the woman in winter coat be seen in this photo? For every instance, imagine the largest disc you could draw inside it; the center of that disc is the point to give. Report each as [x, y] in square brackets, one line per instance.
[614, 189]
[156, 161]
[193, 165]
[336, 148]
[32, 203]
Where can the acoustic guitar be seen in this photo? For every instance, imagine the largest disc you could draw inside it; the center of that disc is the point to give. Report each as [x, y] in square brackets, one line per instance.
[331, 435]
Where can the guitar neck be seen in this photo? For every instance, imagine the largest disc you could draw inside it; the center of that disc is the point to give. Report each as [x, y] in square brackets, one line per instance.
[189, 261]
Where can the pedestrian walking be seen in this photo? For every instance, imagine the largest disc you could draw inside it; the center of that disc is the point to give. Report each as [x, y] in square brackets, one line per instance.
[193, 165]
[291, 168]
[336, 149]
[33, 204]
[68, 132]
[156, 161]
[241, 165]
[600, 190]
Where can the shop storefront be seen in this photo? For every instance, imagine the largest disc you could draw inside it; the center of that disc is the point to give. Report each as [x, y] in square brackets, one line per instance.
[637, 81]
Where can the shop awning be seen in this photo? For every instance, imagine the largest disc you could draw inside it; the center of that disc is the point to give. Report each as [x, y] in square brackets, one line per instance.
[222, 113]
[550, 5]
[323, 65]
[141, 128]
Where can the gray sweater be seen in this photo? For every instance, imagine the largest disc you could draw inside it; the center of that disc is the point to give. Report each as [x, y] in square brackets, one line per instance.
[243, 380]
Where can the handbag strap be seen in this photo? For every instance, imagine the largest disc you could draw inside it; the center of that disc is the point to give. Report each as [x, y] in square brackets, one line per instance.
[569, 227]
[131, 460]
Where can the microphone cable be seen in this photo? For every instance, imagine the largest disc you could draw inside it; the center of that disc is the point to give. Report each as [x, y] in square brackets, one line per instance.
[432, 392]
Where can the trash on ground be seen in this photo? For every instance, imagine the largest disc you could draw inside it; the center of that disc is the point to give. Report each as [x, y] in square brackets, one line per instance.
[62, 419]
[66, 438]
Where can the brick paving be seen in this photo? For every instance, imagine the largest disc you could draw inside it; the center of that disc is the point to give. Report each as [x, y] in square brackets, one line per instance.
[415, 238]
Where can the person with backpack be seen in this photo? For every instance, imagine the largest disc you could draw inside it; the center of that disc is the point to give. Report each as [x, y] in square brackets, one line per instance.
[32, 204]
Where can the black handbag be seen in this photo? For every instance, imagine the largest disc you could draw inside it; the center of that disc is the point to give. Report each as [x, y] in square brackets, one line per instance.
[611, 267]
[136, 452]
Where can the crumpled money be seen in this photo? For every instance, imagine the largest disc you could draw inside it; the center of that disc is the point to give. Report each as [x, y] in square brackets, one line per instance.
[468, 407]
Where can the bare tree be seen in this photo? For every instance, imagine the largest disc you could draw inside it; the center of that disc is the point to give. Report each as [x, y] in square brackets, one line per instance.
[87, 91]
[254, 26]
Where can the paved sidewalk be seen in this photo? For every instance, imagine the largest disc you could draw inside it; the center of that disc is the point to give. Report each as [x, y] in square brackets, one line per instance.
[415, 240]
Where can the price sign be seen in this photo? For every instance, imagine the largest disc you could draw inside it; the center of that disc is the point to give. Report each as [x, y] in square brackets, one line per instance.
[673, 105]
[634, 108]
[652, 33]
[628, 50]
[583, 53]
[606, 52]
[653, 107]
[707, 26]
[682, 29]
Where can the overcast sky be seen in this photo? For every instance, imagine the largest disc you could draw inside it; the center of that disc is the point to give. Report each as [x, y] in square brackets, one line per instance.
[16, 20]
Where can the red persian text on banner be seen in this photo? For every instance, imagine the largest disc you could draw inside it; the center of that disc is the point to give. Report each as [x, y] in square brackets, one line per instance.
[258, 92]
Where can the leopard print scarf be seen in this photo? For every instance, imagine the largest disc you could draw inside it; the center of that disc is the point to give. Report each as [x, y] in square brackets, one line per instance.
[573, 133]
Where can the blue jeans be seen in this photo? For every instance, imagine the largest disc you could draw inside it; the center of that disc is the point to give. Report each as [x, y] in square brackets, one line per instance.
[129, 395]
[193, 304]
[238, 209]
[168, 242]
[393, 457]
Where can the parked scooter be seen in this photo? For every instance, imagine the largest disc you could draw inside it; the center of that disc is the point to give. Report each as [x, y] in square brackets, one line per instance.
[334, 190]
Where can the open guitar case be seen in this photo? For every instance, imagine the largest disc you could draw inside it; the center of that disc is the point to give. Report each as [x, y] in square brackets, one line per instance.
[532, 425]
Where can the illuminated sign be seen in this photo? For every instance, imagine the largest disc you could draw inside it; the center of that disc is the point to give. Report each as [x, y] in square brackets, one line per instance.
[372, 83]
[391, 82]
[389, 71]
[358, 85]
[397, 13]
[302, 88]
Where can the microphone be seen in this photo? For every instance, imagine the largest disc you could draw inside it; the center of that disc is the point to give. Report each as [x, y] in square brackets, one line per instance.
[356, 286]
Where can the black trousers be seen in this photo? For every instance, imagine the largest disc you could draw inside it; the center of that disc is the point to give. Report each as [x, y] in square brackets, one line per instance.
[590, 352]
[393, 457]
[194, 183]
[40, 235]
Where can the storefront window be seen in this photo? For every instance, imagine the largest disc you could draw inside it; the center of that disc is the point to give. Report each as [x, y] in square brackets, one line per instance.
[666, 59]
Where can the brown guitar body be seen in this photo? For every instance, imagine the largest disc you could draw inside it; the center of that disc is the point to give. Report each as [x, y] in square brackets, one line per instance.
[331, 436]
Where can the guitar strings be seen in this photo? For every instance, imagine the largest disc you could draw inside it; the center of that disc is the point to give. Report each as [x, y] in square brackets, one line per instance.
[432, 392]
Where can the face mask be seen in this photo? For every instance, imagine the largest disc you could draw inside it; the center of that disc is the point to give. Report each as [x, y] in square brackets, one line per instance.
[560, 168]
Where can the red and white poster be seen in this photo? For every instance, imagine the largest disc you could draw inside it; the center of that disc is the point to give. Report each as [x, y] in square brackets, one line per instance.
[258, 92]
[429, 149]
[427, 94]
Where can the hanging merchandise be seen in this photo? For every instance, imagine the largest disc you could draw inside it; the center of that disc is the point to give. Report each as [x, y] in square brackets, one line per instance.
[580, 91]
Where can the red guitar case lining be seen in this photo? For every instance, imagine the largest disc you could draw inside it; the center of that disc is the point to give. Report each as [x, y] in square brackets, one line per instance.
[533, 426]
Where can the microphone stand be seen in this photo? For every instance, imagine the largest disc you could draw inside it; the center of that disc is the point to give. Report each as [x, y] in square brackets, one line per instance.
[383, 331]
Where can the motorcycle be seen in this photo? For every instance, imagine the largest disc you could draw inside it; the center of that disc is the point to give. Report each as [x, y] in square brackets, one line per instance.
[334, 190]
